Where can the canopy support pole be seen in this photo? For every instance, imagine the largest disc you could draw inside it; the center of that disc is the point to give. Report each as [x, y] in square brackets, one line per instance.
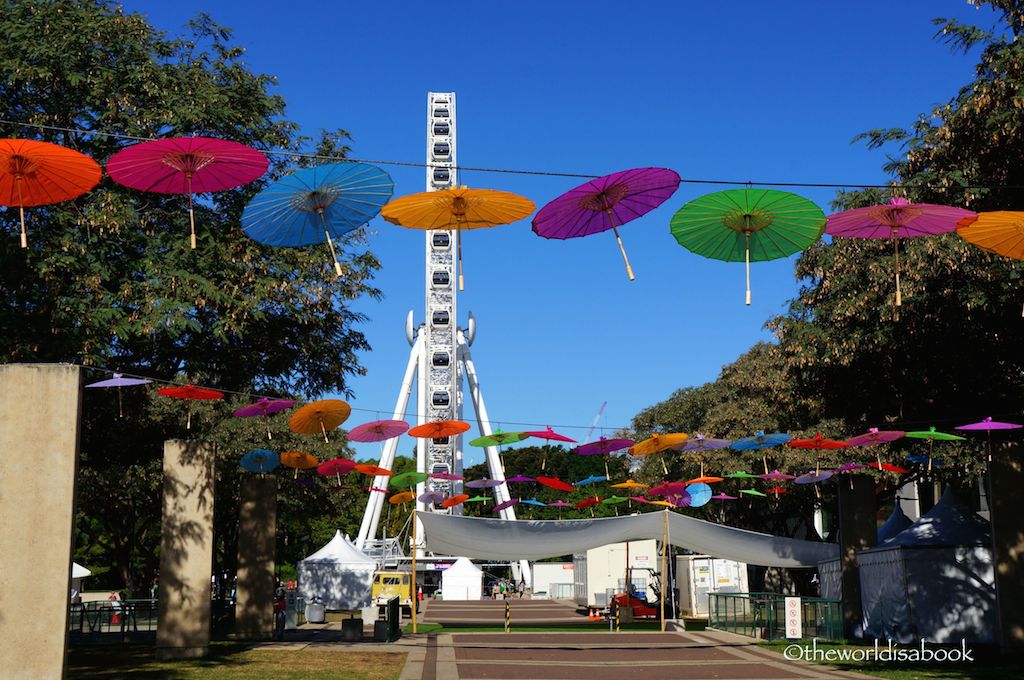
[664, 573]
[415, 600]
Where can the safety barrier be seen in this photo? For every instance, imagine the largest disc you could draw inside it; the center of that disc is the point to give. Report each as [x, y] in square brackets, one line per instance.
[763, 615]
[133, 618]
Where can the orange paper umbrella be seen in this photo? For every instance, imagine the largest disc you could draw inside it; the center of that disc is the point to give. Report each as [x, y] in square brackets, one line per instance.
[657, 443]
[39, 173]
[300, 460]
[457, 209]
[664, 504]
[1000, 232]
[190, 393]
[373, 470]
[319, 416]
[704, 479]
[439, 428]
[402, 497]
[455, 500]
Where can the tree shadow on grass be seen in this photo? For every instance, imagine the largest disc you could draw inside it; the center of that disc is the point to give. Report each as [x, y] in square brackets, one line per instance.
[139, 661]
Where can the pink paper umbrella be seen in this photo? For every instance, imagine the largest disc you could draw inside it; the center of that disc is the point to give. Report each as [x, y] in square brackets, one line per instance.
[265, 407]
[777, 476]
[378, 430]
[336, 467]
[988, 425]
[723, 497]
[445, 476]
[119, 381]
[899, 219]
[606, 203]
[549, 435]
[186, 165]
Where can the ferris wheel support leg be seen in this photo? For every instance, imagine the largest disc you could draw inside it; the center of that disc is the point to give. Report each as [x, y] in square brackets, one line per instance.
[491, 453]
[371, 517]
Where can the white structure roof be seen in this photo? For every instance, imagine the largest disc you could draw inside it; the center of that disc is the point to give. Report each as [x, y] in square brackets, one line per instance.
[340, 550]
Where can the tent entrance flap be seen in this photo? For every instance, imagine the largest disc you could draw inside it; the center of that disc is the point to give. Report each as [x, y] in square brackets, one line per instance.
[499, 539]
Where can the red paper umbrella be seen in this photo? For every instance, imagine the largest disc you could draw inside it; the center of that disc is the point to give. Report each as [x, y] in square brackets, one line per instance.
[555, 483]
[889, 467]
[439, 428]
[373, 470]
[817, 443]
[190, 393]
[378, 430]
[587, 503]
[336, 467]
[777, 490]
[186, 165]
[455, 500]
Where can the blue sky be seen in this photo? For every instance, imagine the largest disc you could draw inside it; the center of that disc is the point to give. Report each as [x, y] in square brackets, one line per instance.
[744, 90]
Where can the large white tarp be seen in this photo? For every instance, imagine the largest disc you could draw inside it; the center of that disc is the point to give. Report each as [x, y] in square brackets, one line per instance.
[499, 539]
[339, 574]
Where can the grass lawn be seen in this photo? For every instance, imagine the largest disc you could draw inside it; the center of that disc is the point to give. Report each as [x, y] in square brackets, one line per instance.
[987, 665]
[229, 660]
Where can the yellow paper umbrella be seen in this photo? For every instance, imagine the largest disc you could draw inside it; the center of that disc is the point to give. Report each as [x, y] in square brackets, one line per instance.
[457, 209]
[300, 460]
[319, 416]
[629, 484]
[657, 443]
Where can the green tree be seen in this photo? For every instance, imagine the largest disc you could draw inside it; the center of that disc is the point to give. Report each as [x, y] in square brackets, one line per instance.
[109, 279]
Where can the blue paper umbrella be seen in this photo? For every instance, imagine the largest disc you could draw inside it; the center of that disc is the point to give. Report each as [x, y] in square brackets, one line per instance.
[531, 501]
[315, 204]
[592, 479]
[761, 441]
[700, 494]
[260, 460]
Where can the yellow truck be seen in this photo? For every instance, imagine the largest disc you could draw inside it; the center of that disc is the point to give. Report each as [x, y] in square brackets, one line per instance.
[389, 584]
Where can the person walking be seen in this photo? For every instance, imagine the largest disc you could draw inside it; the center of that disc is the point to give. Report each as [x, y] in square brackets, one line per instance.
[280, 614]
[521, 587]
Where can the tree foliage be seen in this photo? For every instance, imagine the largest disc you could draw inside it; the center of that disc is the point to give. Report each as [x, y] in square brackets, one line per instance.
[109, 279]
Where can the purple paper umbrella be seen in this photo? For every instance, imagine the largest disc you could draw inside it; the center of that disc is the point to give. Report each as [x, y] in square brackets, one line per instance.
[484, 483]
[777, 476]
[849, 467]
[560, 504]
[119, 381]
[606, 203]
[378, 431]
[445, 476]
[519, 479]
[988, 425]
[723, 497]
[507, 504]
[602, 446]
[265, 407]
[699, 442]
[899, 219]
[431, 497]
[813, 477]
[680, 500]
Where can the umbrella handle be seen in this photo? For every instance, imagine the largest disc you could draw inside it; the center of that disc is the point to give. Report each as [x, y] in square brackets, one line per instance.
[21, 212]
[899, 293]
[192, 221]
[323, 429]
[458, 237]
[330, 244]
[622, 249]
[747, 258]
[267, 419]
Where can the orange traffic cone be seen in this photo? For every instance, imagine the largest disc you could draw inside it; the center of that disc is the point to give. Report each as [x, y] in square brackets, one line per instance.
[115, 619]
[419, 595]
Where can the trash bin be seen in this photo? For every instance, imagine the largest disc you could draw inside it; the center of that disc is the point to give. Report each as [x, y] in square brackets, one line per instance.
[380, 631]
[315, 612]
[352, 630]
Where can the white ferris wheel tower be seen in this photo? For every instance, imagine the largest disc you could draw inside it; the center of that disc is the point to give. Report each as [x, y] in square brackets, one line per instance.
[439, 360]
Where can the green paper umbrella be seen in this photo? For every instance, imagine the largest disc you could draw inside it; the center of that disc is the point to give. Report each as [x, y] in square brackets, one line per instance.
[408, 478]
[742, 475]
[752, 492]
[740, 225]
[477, 499]
[933, 435]
[499, 438]
[614, 500]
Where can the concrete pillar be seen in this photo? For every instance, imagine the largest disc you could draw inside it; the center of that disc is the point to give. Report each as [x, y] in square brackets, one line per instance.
[858, 529]
[186, 550]
[1007, 509]
[257, 540]
[39, 426]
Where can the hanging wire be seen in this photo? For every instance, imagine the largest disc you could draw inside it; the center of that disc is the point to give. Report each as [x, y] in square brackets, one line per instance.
[538, 173]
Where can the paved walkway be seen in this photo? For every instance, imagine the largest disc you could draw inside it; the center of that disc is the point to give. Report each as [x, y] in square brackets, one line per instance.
[492, 612]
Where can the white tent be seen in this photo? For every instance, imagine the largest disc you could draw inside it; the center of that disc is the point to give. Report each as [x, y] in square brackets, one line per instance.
[78, 572]
[462, 581]
[339, 574]
[932, 580]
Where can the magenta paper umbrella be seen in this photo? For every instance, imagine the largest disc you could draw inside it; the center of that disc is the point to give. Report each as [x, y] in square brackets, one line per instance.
[445, 476]
[119, 381]
[777, 476]
[723, 497]
[849, 467]
[875, 436]
[988, 425]
[506, 504]
[899, 219]
[336, 467]
[667, 489]
[378, 431]
[549, 435]
[606, 203]
[602, 446]
[265, 407]
[519, 479]
[187, 165]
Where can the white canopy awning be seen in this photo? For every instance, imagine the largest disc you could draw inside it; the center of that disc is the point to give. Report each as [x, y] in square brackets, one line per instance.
[537, 539]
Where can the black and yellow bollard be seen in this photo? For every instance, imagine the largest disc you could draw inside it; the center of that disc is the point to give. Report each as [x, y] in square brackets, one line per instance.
[618, 616]
[508, 616]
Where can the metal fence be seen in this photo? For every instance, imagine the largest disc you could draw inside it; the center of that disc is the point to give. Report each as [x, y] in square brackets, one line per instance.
[133, 618]
[763, 615]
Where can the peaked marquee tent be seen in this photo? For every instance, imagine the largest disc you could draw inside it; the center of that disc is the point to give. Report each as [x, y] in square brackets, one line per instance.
[462, 581]
[339, 574]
